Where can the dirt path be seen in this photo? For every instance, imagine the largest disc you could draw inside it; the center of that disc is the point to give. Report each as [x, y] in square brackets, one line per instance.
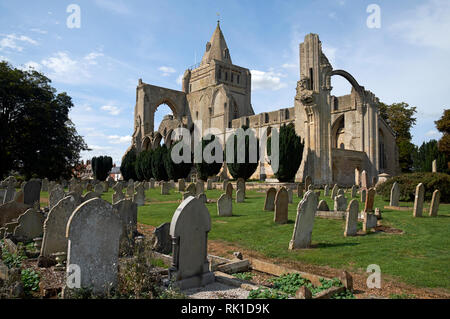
[389, 284]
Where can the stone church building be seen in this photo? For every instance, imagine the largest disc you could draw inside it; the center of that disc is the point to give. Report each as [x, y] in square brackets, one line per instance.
[343, 135]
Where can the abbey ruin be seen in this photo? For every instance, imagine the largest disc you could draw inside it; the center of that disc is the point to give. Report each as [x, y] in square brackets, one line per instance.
[343, 135]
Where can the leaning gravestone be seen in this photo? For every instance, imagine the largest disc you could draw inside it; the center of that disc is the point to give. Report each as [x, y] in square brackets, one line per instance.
[189, 230]
[351, 222]
[434, 207]
[56, 194]
[269, 202]
[340, 203]
[163, 242]
[281, 206]
[32, 192]
[11, 211]
[10, 192]
[225, 206]
[30, 225]
[139, 197]
[370, 199]
[240, 196]
[418, 201]
[334, 191]
[323, 206]
[54, 239]
[395, 195]
[126, 210]
[93, 233]
[304, 222]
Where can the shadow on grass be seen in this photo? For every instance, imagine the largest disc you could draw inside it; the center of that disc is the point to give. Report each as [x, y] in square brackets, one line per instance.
[329, 245]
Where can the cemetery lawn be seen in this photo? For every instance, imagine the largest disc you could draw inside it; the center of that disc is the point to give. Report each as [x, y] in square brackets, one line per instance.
[420, 256]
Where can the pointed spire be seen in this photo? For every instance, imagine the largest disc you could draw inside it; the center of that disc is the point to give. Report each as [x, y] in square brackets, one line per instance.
[216, 48]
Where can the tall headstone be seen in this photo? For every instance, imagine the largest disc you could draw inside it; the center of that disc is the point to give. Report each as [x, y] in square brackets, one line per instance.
[269, 202]
[130, 189]
[10, 191]
[126, 210]
[209, 184]
[290, 195]
[93, 233]
[363, 195]
[351, 222]
[152, 183]
[370, 199]
[435, 200]
[434, 166]
[44, 187]
[326, 190]
[225, 205]
[240, 184]
[199, 187]
[224, 184]
[165, 188]
[418, 200]
[32, 192]
[354, 191]
[364, 180]
[369, 221]
[304, 222]
[395, 195]
[189, 231]
[240, 196]
[281, 206]
[357, 177]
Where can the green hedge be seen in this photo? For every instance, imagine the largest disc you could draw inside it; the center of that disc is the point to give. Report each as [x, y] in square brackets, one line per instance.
[408, 183]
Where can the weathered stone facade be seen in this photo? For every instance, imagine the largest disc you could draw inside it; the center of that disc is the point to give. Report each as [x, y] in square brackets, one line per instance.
[343, 135]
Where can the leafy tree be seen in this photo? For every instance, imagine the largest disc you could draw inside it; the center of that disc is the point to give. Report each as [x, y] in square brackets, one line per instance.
[443, 126]
[101, 166]
[127, 168]
[144, 165]
[176, 171]
[290, 153]
[158, 169]
[400, 117]
[204, 169]
[243, 170]
[425, 155]
[37, 137]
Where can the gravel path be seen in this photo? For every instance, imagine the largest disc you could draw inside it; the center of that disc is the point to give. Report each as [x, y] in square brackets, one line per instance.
[216, 290]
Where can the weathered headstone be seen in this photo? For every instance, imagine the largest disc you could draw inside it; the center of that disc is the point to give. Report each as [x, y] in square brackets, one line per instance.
[370, 199]
[304, 222]
[118, 194]
[189, 230]
[30, 225]
[165, 188]
[229, 190]
[126, 210]
[340, 203]
[351, 221]
[357, 177]
[163, 242]
[199, 187]
[308, 181]
[209, 184]
[334, 191]
[10, 192]
[326, 190]
[418, 200]
[56, 194]
[32, 192]
[152, 183]
[323, 206]
[202, 197]
[240, 185]
[290, 195]
[139, 197]
[10, 211]
[130, 190]
[224, 184]
[269, 202]
[340, 192]
[44, 186]
[435, 200]
[354, 191]
[370, 221]
[363, 195]
[281, 206]
[240, 196]
[395, 195]
[99, 188]
[434, 166]
[89, 195]
[299, 190]
[364, 180]
[225, 205]
[93, 233]
[181, 185]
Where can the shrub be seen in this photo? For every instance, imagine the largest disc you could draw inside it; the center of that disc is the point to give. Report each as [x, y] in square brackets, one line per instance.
[158, 169]
[205, 170]
[101, 166]
[290, 153]
[127, 168]
[408, 182]
[30, 279]
[246, 169]
[143, 165]
[176, 171]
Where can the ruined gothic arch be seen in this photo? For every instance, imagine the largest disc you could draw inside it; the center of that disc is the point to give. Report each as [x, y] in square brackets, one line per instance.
[359, 89]
[336, 129]
[146, 143]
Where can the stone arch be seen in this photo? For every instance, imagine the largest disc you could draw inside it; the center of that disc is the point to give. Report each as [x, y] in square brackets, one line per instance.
[156, 140]
[146, 143]
[337, 129]
[358, 88]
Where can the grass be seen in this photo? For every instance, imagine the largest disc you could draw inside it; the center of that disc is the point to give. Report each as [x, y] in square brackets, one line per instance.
[420, 256]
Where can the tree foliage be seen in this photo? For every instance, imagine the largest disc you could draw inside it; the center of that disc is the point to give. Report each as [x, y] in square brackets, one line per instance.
[101, 166]
[174, 170]
[425, 155]
[128, 165]
[37, 137]
[400, 117]
[158, 169]
[204, 169]
[443, 126]
[243, 170]
[290, 153]
[143, 165]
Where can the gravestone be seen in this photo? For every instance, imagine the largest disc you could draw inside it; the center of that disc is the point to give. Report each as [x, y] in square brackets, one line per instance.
[89, 195]
[224, 184]
[351, 221]
[370, 199]
[299, 190]
[304, 222]
[191, 190]
[202, 197]
[323, 206]
[189, 231]
[354, 191]
[225, 205]
[163, 242]
[229, 190]
[363, 195]
[139, 197]
[395, 195]
[240, 185]
[281, 206]
[30, 225]
[369, 221]
[310, 187]
[434, 166]
[357, 176]
[199, 187]
[240, 196]
[130, 189]
[418, 200]
[10, 211]
[93, 233]
[340, 192]
[326, 190]
[334, 191]
[90, 187]
[290, 195]
[181, 185]
[44, 187]
[269, 202]
[152, 183]
[308, 181]
[56, 194]
[54, 239]
[126, 210]
[340, 203]
[435, 200]
[364, 180]
[99, 188]
[118, 194]
[165, 188]
[10, 192]
[209, 184]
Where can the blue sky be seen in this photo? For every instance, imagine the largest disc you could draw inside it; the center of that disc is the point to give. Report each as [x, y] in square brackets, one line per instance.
[118, 42]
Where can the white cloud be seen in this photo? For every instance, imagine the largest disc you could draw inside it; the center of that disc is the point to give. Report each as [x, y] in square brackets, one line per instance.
[289, 66]
[38, 31]
[179, 79]
[330, 53]
[115, 6]
[11, 41]
[32, 65]
[267, 80]
[116, 139]
[112, 110]
[426, 25]
[166, 70]
[433, 133]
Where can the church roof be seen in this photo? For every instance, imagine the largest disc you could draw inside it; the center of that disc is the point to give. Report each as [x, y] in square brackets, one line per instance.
[216, 48]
